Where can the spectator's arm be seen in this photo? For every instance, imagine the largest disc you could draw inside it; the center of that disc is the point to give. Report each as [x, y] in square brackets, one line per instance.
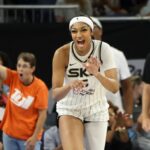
[127, 95]
[146, 107]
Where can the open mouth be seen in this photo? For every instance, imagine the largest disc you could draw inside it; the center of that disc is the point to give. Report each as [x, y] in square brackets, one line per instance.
[81, 43]
[21, 75]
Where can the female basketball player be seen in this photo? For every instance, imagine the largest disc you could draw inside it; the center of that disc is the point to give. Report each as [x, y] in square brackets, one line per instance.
[82, 70]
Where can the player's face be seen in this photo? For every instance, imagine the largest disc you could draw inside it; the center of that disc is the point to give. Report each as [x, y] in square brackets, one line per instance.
[25, 71]
[81, 35]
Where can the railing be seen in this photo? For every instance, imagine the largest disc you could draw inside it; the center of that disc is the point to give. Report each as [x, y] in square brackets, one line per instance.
[21, 13]
[125, 18]
[38, 13]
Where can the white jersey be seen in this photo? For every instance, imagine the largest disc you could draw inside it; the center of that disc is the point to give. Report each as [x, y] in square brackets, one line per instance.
[123, 73]
[94, 94]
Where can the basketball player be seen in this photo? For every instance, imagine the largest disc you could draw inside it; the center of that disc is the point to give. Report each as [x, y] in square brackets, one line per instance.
[82, 70]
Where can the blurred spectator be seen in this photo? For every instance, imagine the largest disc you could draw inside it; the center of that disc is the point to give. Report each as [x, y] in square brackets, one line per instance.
[125, 103]
[146, 96]
[51, 135]
[113, 8]
[51, 119]
[117, 7]
[51, 102]
[62, 15]
[4, 89]
[137, 86]
[144, 119]
[145, 10]
[24, 105]
[132, 6]
[143, 138]
[108, 8]
[98, 8]
[117, 136]
[52, 139]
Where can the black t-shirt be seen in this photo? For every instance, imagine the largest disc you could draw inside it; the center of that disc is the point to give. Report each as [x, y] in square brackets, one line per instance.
[146, 73]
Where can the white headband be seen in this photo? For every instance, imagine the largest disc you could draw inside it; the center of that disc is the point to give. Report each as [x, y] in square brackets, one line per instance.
[83, 19]
[96, 22]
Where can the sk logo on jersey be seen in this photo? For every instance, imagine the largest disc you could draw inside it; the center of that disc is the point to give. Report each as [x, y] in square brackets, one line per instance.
[78, 72]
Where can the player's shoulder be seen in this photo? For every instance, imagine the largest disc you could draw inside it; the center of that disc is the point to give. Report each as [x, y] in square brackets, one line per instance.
[102, 44]
[97, 42]
[63, 50]
[117, 51]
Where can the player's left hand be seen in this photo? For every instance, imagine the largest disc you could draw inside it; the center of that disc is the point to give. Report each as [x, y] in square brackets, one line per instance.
[92, 65]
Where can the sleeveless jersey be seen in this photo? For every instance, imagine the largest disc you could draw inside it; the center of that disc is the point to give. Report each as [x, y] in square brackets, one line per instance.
[94, 92]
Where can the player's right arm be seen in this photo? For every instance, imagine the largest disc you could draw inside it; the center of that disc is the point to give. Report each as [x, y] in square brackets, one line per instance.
[58, 74]
[60, 63]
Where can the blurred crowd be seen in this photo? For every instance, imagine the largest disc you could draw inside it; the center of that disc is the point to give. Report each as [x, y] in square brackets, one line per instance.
[124, 129]
[95, 8]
